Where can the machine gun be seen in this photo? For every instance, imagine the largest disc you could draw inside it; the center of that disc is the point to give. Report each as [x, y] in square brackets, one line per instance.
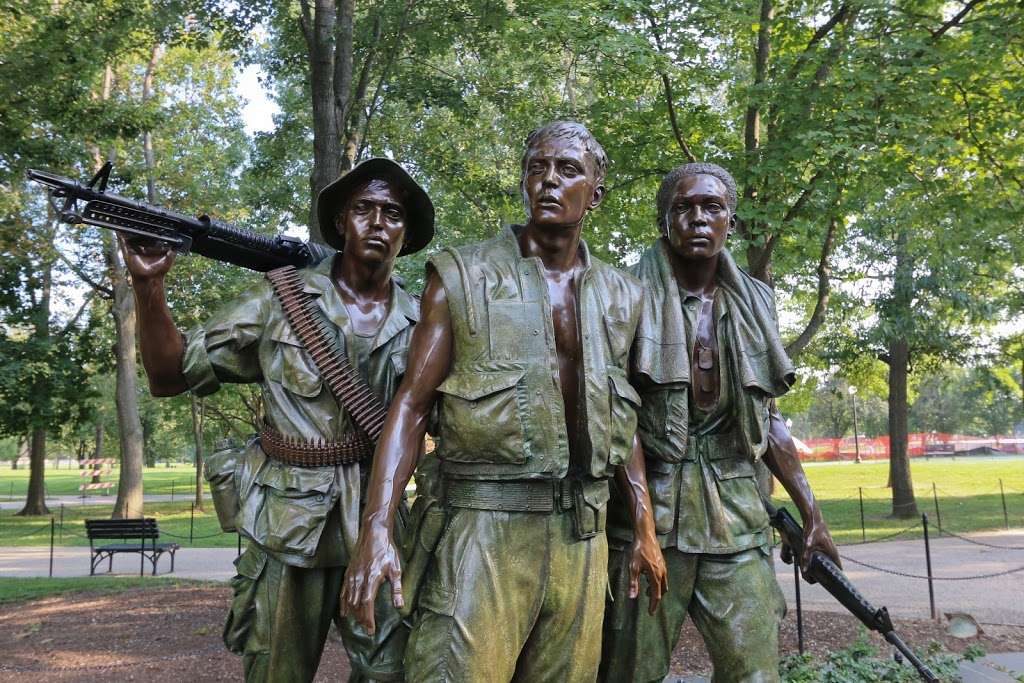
[823, 570]
[185, 234]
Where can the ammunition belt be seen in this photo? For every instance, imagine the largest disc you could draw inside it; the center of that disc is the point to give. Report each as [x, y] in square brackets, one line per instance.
[309, 325]
[299, 452]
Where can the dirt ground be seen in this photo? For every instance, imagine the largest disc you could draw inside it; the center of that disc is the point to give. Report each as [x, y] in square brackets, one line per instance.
[173, 634]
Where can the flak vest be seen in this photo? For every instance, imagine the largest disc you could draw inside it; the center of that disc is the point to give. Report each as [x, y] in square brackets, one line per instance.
[501, 414]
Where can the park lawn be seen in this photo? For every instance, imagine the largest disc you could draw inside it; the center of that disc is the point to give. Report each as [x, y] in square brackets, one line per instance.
[22, 589]
[178, 480]
[173, 519]
[967, 490]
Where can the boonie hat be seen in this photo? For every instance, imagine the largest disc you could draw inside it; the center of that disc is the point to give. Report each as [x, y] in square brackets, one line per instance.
[419, 210]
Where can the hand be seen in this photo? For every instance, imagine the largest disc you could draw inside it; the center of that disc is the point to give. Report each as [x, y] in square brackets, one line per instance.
[146, 260]
[817, 539]
[376, 559]
[645, 557]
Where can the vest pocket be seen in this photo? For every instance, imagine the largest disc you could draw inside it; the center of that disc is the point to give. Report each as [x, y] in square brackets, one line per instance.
[291, 365]
[624, 404]
[663, 485]
[482, 415]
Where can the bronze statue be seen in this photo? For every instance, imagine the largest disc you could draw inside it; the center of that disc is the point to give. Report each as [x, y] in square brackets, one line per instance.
[708, 364]
[299, 486]
[523, 347]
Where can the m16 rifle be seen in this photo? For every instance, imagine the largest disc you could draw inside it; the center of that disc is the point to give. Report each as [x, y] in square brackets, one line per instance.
[823, 570]
[185, 234]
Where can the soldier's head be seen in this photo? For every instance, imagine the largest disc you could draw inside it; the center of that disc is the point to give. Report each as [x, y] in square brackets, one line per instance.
[697, 209]
[376, 212]
[562, 176]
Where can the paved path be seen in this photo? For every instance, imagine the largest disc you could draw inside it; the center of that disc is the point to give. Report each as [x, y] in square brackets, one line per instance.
[988, 600]
[54, 502]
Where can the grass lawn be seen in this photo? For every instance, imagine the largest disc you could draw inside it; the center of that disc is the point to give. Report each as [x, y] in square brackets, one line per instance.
[173, 519]
[177, 479]
[968, 495]
[21, 589]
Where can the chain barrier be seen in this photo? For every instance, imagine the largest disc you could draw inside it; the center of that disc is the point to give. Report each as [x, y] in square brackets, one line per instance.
[888, 536]
[24, 535]
[194, 536]
[933, 578]
[946, 532]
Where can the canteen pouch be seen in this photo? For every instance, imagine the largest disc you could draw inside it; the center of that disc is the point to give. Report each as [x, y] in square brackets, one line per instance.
[421, 535]
[221, 470]
[589, 508]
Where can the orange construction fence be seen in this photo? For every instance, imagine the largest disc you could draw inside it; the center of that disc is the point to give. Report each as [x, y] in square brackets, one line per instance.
[919, 444]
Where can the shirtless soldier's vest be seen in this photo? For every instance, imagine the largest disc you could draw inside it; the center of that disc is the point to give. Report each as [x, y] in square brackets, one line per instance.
[501, 414]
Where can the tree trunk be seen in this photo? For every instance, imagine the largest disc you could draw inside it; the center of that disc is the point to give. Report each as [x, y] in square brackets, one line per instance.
[97, 451]
[35, 501]
[198, 417]
[903, 503]
[129, 426]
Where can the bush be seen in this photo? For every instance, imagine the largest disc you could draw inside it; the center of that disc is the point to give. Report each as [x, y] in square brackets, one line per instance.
[862, 663]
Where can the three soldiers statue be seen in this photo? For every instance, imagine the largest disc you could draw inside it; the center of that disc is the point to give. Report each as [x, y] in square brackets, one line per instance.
[596, 433]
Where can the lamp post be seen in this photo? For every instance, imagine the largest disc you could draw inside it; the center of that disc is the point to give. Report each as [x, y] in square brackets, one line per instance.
[856, 441]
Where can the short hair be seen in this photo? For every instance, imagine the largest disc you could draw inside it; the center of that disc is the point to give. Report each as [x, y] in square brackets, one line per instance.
[669, 182]
[568, 130]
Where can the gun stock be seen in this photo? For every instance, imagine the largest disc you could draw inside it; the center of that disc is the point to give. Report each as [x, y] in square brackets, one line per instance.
[185, 234]
[823, 570]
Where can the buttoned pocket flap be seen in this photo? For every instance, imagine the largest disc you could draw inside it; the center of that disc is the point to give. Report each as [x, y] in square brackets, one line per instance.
[732, 468]
[398, 362]
[297, 479]
[623, 388]
[292, 367]
[250, 563]
[473, 386]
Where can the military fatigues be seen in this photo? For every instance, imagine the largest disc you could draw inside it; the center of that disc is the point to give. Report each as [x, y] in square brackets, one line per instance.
[708, 514]
[517, 588]
[302, 523]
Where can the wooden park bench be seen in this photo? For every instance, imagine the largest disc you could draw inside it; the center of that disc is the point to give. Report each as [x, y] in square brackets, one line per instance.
[125, 530]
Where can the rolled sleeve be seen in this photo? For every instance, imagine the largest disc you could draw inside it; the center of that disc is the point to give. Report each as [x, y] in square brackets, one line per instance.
[197, 368]
[226, 348]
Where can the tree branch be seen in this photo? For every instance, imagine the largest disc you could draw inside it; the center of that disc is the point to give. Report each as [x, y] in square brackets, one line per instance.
[105, 291]
[955, 21]
[669, 97]
[818, 36]
[78, 314]
[797, 346]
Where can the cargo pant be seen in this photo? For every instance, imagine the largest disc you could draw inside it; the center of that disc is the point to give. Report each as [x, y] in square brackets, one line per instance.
[734, 601]
[280, 616]
[511, 596]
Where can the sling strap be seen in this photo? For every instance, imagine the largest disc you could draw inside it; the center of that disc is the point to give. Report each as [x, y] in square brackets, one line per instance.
[314, 332]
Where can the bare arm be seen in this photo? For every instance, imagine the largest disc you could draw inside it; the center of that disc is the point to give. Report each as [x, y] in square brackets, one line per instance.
[399, 449]
[160, 342]
[645, 553]
[784, 463]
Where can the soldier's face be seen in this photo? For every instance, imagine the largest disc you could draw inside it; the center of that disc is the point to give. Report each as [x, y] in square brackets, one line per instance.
[559, 182]
[373, 223]
[699, 217]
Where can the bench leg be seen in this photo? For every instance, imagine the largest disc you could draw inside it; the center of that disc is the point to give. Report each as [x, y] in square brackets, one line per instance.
[172, 561]
[110, 566]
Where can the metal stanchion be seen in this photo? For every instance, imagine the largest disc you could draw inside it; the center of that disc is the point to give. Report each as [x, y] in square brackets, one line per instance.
[928, 563]
[1002, 494]
[863, 532]
[62, 522]
[799, 608]
[938, 515]
[192, 523]
[52, 525]
[239, 543]
[172, 490]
